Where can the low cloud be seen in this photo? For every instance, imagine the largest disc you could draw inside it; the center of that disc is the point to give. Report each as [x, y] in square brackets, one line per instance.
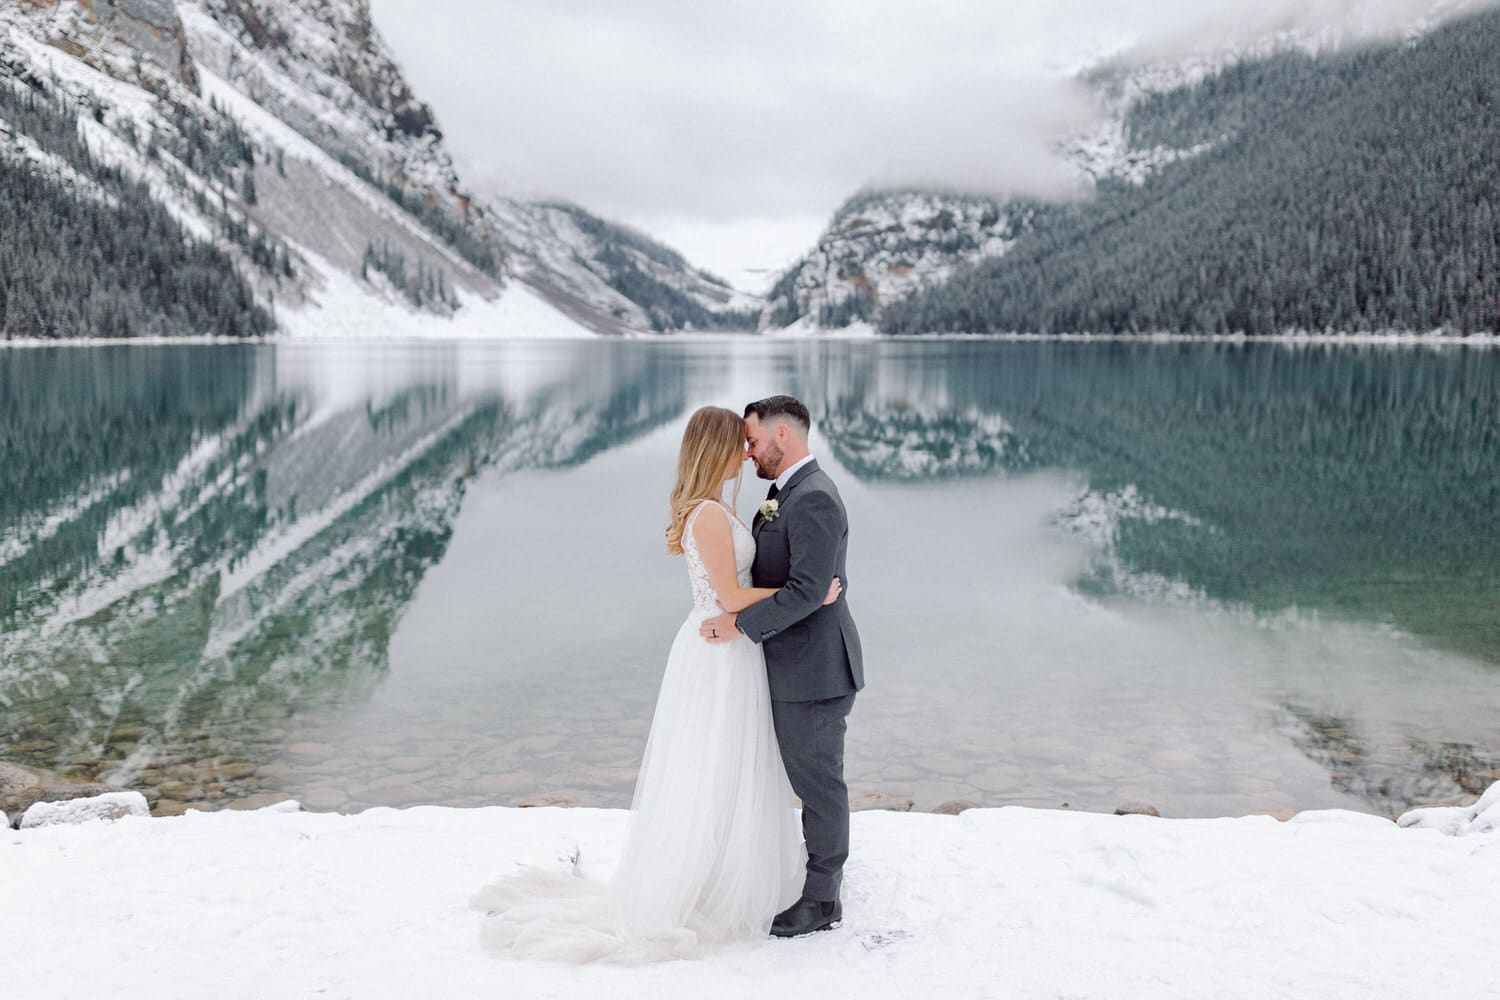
[675, 109]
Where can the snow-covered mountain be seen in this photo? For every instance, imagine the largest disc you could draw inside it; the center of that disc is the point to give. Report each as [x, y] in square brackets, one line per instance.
[607, 275]
[883, 245]
[283, 133]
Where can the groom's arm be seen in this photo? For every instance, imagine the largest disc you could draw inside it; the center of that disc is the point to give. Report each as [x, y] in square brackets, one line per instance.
[814, 533]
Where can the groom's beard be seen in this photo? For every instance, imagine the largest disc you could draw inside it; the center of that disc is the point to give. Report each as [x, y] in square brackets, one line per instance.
[768, 466]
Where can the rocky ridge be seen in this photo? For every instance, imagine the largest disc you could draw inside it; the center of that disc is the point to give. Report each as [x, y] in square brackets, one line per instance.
[610, 277]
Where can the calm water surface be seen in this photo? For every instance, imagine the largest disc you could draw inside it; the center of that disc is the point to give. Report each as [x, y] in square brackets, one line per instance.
[1217, 578]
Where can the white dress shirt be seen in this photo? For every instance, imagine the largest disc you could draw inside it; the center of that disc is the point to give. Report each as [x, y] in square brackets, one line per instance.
[786, 474]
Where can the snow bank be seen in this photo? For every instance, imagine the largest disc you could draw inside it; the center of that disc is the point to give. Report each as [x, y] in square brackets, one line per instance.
[1457, 821]
[109, 806]
[995, 902]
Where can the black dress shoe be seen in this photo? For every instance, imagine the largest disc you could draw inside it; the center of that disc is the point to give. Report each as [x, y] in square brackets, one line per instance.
[805, 916]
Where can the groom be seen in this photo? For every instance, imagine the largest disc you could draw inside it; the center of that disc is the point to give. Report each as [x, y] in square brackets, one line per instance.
[812, 652]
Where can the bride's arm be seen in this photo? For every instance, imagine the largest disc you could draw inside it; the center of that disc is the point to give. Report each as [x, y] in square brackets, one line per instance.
[715, 541]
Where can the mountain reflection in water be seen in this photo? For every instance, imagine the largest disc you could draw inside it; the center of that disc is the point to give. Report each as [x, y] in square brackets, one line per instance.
[207, 552]
[198, 541]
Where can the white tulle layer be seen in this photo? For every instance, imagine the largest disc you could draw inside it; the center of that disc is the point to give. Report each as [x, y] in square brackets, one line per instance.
[714, 848]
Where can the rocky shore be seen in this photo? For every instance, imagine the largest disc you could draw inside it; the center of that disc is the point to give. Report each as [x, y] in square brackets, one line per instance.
[173, 788]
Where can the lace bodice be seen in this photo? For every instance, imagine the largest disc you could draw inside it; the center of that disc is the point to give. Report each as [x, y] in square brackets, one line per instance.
[704, 598]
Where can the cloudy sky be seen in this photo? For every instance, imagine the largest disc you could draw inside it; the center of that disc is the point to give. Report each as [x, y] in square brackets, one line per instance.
[733, 130]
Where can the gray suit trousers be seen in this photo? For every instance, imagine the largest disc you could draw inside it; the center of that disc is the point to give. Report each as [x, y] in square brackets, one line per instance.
[811, 734]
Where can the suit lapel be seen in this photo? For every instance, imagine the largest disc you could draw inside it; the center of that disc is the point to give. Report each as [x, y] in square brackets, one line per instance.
[797, 477]
[781, 495]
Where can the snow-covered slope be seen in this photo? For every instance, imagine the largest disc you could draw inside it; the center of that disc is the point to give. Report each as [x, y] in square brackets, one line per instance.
[321, 68]
[609, 276]
[284, 132]
[269, 152]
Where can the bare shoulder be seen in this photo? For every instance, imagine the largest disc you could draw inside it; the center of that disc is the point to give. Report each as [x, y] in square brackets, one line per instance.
[711, 526]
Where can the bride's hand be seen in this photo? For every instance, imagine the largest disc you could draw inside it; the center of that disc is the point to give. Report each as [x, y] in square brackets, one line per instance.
[834, 590]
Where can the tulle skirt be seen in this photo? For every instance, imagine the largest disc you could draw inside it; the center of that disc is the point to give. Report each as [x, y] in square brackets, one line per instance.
[713, 849]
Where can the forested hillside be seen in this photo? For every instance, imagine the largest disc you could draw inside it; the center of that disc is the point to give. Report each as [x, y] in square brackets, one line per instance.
[86, 252]
[1348, 192]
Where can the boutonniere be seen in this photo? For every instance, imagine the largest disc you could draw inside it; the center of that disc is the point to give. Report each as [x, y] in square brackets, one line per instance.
[769, 509]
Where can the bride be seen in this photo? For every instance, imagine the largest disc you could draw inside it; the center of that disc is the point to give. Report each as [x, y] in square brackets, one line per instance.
[714, 849]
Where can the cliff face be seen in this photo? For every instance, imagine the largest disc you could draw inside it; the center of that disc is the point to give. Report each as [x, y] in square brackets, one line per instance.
[127, 39]
[323, 69]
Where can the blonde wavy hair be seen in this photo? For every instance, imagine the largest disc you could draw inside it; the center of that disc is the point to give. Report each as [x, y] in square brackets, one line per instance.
[713, 446]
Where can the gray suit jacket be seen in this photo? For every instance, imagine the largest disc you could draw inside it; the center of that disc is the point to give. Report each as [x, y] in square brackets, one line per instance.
[812, 652]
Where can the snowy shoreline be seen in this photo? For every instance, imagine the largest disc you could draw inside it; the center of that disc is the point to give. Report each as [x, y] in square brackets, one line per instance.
[1010, 902]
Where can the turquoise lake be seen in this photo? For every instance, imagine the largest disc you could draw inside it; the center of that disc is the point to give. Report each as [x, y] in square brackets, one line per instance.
[1217, 578]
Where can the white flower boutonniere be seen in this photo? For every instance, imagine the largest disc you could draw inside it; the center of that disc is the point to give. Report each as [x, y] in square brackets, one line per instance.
[769, 509]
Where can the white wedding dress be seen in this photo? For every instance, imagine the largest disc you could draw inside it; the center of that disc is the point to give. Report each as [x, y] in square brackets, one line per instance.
[714, 847]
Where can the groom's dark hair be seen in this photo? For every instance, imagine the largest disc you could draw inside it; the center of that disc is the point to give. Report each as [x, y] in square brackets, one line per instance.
[789, 408]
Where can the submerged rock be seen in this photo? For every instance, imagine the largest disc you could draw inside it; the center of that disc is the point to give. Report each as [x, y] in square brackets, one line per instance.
[561, 799]
[879, 800]
[955, 807]
[1280, 815]
[275, 801]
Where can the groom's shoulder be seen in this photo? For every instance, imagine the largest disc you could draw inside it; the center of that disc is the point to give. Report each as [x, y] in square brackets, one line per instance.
[819, 481]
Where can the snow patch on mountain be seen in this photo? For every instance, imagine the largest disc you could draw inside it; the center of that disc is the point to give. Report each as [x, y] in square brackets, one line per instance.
[346, 309]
